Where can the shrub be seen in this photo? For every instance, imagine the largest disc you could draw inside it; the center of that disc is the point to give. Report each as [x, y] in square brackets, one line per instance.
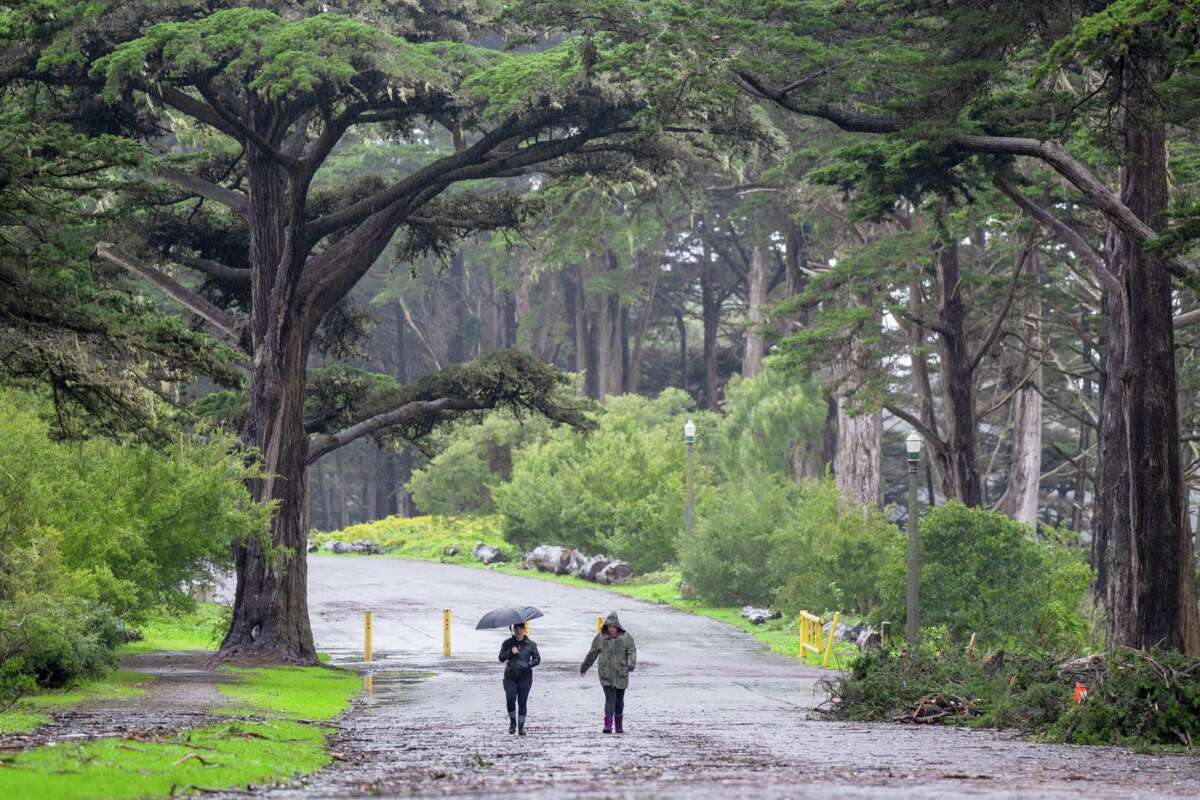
[471, 458]
[95, 534]
[769, 540]
[983, 573]
[617, 489]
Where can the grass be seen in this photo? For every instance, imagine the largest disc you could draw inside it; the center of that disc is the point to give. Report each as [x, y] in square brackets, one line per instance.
[427, 538]
[196, 630]
[219, 756]
[32, 712]
[292, 692]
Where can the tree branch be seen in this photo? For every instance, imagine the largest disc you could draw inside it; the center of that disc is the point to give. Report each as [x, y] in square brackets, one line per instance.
[929, 435]
[994, 333]
[324, 444]
[1051, 152]
[222, 321]
[215, 269]
[1066, 234]
[201, 187]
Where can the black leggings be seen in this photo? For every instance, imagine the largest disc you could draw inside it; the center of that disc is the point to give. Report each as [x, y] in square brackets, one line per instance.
[516, 692]
[614, 701]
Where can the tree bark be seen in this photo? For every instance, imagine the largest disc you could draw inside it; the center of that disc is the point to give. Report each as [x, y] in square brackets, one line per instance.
[681, 327]
[609, 337]
[1160, 611]
[643, 323]
[752, 361]
[270, 608]
[960, 468]
[711, 314]
[1020, 498]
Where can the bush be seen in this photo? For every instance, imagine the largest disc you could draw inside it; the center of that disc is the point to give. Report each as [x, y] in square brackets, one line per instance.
[95, 534]
[770, 541]
[427, 537]
[471, 458]
[617, 490]
[983, 573]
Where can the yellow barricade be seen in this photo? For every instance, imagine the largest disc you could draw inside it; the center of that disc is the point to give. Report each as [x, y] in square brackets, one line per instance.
[810, 633]
[812, 636]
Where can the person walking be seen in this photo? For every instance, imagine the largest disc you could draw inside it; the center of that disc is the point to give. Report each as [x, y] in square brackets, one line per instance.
[613, 645]
[519, 655]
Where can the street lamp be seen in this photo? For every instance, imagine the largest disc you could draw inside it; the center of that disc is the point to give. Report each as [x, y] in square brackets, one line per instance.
[913, 622]
[689, 436]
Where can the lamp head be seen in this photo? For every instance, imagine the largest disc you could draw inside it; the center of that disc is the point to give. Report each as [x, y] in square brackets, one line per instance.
[912, 444]
[689, 431]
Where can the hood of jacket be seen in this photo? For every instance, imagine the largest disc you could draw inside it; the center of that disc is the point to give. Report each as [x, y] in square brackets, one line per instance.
[613, 620]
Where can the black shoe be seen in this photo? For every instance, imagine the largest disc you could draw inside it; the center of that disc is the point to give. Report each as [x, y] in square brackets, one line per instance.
[512, 724]
[521, 726]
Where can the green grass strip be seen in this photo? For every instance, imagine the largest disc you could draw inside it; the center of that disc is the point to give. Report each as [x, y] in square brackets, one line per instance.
[213, 757]
[294, 692]
[197, 630]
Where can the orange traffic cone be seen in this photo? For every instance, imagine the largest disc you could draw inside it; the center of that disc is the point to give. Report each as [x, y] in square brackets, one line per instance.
[1080, 692]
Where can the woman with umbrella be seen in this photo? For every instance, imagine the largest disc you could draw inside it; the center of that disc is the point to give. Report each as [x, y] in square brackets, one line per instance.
[519, 655]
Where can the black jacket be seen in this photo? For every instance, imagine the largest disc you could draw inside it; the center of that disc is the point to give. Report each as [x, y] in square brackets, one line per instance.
[519, 664]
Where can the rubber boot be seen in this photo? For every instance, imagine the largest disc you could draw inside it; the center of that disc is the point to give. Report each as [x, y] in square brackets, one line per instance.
[512, 723]
[620, 720]
[608, 724]
[521, 725]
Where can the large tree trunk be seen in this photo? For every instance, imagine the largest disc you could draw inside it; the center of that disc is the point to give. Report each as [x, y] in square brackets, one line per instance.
[857, 459]
[643, 323]
[1161, 611]
[681, 328]
[270, 609]
[609, 337]
[710, 307]
[1020, 499]
[752, 361]
[961, 469]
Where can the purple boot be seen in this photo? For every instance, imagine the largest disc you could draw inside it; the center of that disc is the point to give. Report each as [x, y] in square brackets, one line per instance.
[608, 724]
[620, 720]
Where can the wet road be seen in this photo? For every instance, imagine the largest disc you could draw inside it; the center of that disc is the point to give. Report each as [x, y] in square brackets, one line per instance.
[709, 714]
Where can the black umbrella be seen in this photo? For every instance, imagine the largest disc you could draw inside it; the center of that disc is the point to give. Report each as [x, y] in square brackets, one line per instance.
[503, 617]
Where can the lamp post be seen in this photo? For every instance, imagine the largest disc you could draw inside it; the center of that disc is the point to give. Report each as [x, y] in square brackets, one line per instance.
[689, 436]
[912, 628]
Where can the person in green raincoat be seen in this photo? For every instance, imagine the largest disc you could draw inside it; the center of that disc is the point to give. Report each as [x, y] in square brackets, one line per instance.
[613, 645]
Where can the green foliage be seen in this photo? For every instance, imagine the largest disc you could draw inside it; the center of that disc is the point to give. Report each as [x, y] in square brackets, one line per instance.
[1140, 699]
[767, 419]
[617, 490]
[983, 573]
[769, 541]
[427, 537]
[96, 533]
[1008, 692]
[172, 629]
[470, 459]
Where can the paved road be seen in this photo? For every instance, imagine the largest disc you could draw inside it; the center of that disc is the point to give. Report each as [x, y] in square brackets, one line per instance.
[709, 713]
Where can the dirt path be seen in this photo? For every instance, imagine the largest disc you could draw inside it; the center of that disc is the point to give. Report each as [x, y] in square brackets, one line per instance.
[709, 713]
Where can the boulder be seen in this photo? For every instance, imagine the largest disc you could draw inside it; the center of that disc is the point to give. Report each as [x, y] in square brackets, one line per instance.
[593, 566]
[758, 616]
[313, 546]
[328, 546]
[343, 547]
[550, 558]
[488, 554]
[869, 639]
[615, 572]
[575, 561]
[368, 548]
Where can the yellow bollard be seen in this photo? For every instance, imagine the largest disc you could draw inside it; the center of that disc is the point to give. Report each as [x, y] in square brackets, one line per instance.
[837, 616]
[599, 624]
[367, 650]
[446, 632]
